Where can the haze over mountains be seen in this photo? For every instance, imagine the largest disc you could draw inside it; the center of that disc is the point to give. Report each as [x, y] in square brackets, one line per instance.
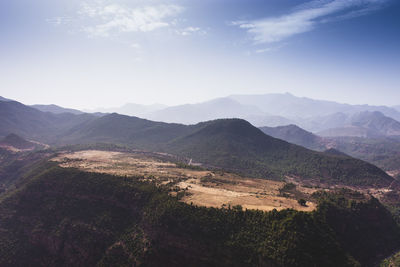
[230, 143]
[131, 109]
[214, 109]
[340, 130]
[326, 118]
[47, 210]
[363, 124]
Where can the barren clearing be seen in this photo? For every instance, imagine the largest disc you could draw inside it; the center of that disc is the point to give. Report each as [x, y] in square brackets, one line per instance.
[201, 187]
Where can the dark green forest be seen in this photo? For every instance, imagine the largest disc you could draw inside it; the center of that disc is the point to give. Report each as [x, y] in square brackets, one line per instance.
[65, 217]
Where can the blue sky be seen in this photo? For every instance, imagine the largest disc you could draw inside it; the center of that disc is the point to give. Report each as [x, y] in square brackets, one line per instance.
[93, 53]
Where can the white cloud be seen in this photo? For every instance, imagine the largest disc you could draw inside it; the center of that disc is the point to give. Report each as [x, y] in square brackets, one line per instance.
[305, 18]
[191, 30]
[264, 50]
[114, 18]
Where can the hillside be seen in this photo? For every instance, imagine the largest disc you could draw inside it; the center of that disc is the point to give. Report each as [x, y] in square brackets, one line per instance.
[237, 145]
[380, 151]
[16, 141]
[22, 120]
[383, 152]
[233, 144]
[296, 135]
[56, 109]
[121, 129]
[31, 123]
[378, 122]
[4, 99]
[64, 217]
[14, 166]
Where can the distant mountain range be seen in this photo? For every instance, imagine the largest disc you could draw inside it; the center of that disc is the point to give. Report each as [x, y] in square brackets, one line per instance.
[130, 109]
[214, 109]
[363, 124]
[292, 107]
[326, 118]
[69, 128]
[260, 110]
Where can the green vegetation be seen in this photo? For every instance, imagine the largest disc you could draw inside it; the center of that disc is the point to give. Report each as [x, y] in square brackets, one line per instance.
[356, 220]
[231, 144]
[393, 261]
[287, 187]
[391, 200]
[302, 202]
[66, 217]
[383, 152]
[33, 124]
[14, 167]
[236, 145]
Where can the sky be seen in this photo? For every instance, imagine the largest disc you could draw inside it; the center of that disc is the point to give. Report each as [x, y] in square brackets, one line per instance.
[101, 53]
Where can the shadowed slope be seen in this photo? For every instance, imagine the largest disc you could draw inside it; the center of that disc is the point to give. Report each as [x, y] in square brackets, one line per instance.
[237, 145]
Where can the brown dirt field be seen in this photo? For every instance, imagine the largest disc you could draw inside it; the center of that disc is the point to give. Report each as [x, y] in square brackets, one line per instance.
[202, 187]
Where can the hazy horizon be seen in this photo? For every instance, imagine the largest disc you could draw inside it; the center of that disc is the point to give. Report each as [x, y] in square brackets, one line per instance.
[85, 109]
[99, 53]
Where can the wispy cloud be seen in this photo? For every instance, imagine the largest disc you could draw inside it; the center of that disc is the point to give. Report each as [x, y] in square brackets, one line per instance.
[306, 17]
[113, 18]
[59, 20]
[191, 30]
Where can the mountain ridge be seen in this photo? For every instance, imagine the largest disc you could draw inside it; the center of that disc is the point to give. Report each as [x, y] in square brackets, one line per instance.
[233, 144]
[214, 109]
[56, 109]
[296, 135]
